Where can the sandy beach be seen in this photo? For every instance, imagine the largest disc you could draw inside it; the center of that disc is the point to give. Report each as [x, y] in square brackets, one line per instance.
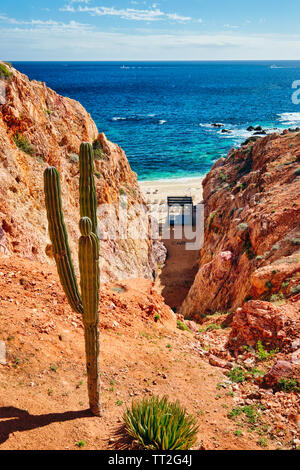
[157, 191]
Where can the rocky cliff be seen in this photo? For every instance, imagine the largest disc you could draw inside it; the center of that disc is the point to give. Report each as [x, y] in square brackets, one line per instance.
[39, 128]
[252, 228]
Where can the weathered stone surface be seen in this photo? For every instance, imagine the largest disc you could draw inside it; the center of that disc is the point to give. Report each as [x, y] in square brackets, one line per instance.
[252, 209]
[274, 326]
[217, 362]
[54, 127]
[215, 274]
[281, 370]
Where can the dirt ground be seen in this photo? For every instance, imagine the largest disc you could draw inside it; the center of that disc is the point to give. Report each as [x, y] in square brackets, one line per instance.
[43, 396]
[178, 274]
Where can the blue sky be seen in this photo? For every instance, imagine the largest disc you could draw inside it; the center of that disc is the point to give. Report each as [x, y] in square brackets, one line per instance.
[149, 30]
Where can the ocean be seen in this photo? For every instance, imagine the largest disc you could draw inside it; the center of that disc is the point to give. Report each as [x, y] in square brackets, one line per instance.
[161, 113]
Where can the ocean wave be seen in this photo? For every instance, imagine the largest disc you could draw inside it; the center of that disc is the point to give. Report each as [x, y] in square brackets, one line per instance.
[215, 125]
[161, 122]
[134, 117]
[179, 179]
[285, 67]
[289, 118]
[238, 134]
[117, 118]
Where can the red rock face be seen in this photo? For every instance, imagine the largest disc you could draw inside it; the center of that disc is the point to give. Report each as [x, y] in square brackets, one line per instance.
[252, 211]
[275, 327]
[53, 128]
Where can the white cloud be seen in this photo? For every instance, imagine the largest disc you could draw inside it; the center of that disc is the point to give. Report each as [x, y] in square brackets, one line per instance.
[36, 39]
[154, 14]
[76, 41]
[230, 26]
[44, 23]
[175, 17]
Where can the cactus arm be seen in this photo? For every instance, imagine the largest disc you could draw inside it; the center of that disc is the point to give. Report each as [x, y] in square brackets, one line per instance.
[90, 284]
[59, 238]
[88, 196]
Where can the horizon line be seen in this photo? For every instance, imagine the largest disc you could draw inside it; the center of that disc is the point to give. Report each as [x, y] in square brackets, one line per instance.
[156, 60]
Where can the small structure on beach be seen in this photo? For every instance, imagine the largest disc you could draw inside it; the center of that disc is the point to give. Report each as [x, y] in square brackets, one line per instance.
[180, 210]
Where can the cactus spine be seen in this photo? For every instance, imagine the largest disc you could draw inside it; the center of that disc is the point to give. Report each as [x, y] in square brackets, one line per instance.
[88, 302]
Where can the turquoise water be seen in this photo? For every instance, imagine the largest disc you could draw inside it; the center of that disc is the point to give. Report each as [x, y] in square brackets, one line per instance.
[161, 113]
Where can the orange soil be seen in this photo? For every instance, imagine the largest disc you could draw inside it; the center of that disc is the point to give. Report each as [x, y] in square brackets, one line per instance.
[43, 397]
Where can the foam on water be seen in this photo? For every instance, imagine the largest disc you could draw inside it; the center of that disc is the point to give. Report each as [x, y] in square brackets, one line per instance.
[289, 119]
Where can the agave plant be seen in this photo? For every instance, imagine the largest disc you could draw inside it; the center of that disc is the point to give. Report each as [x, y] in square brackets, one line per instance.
[159, 424]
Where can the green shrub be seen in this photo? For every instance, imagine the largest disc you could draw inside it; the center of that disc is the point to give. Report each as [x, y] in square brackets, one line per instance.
[212, 326]
[288, 385]
[295, 290]
[262, 442]
[74, 158]
[257, 372]
[277, 297]
[211, 219]
[236, 375]
[159, 424]
[263, 354]
[98, 150]
[4, 72]
[23, 143]
[182, 326]
[269, 284]
[250, 413]
[80, 444]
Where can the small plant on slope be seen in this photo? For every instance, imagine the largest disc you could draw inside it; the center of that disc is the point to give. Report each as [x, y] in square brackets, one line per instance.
[23, 144]
[288, 385]
[4, 72]
[236, 375]
[182, 326]
[159, 424]
[264, 355]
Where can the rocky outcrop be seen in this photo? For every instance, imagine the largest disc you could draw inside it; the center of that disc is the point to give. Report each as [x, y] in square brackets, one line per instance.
[282, 370]
[274, 326]
[252, 228]
[39, 128]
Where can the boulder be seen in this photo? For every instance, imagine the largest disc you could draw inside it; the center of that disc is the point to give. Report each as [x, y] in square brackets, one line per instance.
[274, 326]
[281, 370]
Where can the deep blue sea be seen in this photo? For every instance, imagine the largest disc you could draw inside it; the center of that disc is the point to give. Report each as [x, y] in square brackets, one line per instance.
[161, 113]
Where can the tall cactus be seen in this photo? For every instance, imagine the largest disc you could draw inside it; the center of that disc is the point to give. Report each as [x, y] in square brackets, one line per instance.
[88, 302]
